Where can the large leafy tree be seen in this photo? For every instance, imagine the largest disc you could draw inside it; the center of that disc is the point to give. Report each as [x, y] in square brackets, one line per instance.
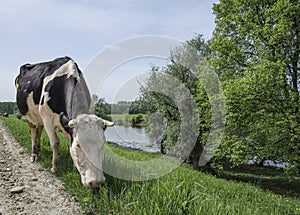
[256, 47]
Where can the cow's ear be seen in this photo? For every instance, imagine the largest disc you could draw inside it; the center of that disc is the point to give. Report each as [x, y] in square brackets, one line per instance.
[72, 123]
[64, 121]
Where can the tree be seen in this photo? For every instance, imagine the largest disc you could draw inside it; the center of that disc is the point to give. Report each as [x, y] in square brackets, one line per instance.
[171, 92]
[101, 107]
[136, 120]
[256, 48]
[137, 107]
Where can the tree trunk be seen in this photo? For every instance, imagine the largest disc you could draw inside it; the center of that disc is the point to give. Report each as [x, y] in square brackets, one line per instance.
[162, 147]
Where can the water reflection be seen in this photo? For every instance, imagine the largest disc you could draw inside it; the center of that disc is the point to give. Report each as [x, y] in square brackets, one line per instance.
[131, 137]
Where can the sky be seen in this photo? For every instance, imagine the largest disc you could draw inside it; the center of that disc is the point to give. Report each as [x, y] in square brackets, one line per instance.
[33, 31]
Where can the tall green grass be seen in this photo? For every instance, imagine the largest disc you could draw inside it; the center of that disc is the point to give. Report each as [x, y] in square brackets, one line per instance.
[183, 191]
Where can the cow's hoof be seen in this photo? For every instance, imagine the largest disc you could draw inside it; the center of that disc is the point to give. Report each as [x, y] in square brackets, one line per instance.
[34, 157]
[53, 169]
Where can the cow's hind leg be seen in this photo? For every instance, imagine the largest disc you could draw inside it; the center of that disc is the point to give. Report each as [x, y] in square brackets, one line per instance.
[39, 131]
[35, 134]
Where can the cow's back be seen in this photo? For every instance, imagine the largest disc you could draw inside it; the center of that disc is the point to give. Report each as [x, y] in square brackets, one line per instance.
[29, 84]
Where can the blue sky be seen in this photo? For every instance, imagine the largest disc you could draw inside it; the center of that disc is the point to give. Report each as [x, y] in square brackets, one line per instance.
[40, 30]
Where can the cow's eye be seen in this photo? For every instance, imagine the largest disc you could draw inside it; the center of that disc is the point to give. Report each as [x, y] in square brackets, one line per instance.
[78, 146]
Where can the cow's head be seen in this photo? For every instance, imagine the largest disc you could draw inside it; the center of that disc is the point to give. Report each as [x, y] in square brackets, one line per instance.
[87, 144]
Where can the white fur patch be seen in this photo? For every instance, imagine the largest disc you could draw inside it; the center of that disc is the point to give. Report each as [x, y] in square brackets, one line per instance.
[33, 115]
[47, 114]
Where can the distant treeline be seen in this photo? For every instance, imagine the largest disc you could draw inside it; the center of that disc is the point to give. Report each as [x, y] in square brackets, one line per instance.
[99, 106]
[8, 107]
[104, 109]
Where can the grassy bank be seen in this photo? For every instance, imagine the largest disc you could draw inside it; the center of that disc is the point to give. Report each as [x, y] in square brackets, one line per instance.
[183, 191]
[268, 178]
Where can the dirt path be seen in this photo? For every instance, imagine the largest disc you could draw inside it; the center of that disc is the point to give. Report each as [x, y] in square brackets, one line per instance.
[28, 188]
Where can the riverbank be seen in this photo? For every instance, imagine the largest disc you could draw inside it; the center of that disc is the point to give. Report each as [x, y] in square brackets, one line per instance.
[182, 191]
[266, 177]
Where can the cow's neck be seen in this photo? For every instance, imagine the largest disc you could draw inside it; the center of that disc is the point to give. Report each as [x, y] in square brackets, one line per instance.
[77, 98]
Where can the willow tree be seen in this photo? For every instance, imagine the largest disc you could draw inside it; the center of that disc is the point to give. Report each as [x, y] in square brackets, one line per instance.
[171, 95]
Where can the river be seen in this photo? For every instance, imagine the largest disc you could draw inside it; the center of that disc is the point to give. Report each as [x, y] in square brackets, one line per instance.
[136, 137]
[131, 137]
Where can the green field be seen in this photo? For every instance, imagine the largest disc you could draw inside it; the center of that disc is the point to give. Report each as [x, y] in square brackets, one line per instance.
[126, 119]
[183, 191]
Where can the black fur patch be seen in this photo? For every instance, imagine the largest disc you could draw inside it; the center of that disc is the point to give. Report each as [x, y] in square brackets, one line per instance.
[56, 91]
[30, 79]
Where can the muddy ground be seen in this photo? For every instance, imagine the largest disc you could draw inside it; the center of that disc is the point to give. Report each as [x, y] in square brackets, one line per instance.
[28, 188]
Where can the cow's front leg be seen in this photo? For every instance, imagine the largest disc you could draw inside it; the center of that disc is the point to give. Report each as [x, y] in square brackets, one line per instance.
[54, 142]
[55, 159]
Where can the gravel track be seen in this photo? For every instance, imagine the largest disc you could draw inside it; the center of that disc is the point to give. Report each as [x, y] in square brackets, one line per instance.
[29, 188]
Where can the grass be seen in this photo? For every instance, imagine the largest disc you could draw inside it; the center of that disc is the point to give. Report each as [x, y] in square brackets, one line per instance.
[123, 117]
[268, 178]
[183, 191]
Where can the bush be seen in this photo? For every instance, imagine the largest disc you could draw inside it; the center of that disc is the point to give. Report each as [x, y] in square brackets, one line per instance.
[136, 120]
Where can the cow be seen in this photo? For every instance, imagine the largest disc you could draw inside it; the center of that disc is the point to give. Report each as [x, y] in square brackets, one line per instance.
[54, 95]
[5, 115]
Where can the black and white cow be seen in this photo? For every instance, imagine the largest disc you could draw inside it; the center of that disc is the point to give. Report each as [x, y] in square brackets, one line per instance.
[54, 95]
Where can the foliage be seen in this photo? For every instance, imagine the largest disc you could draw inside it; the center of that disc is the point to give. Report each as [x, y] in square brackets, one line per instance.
[137, 107]
[8, 107]
[128, 107]
[100, 107]
[103, 109]
[122, 107]
[170, 94]
[256, 52]
[137, 120]
[183, 191]
[127, 119]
